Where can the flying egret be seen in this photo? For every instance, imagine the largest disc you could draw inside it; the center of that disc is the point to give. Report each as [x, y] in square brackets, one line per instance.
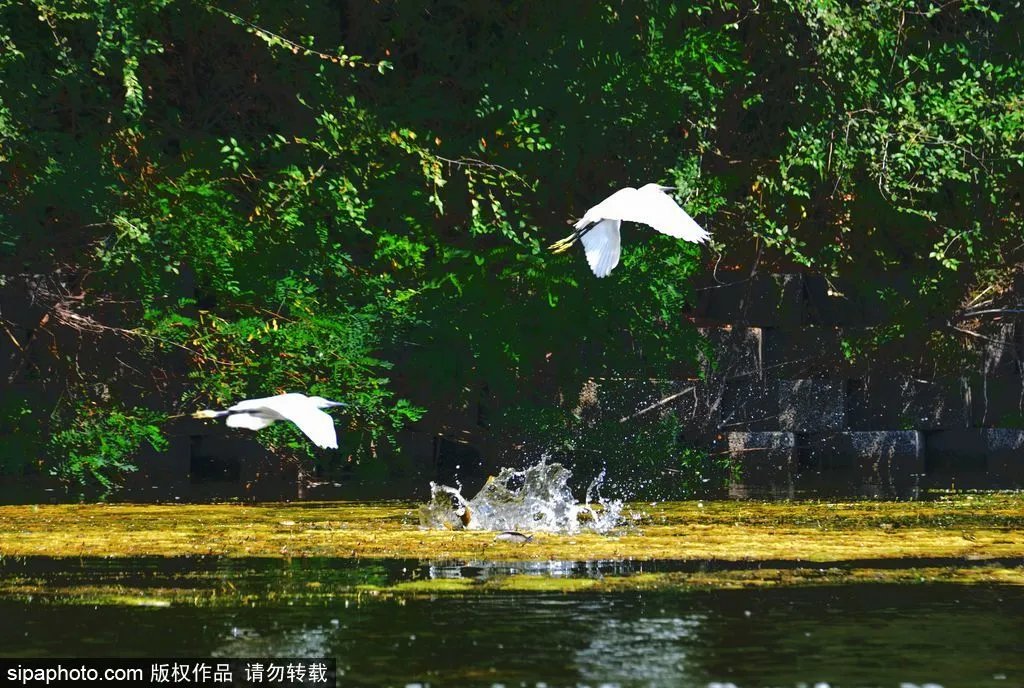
[599, 227]
[305, 412]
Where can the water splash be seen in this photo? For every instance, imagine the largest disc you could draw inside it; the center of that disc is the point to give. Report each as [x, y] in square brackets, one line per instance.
[537, 498]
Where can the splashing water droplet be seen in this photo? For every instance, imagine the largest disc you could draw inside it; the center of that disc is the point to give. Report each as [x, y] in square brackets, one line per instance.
[537, 498]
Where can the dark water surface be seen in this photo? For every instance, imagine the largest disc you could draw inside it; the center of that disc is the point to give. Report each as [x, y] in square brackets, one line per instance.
[842, 636]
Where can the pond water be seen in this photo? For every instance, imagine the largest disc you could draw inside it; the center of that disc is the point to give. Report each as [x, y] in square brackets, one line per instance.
[841, 636]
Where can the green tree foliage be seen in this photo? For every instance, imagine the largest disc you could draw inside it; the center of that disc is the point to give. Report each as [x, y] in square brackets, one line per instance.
[352, 199]
[899, 149]
[99, 445]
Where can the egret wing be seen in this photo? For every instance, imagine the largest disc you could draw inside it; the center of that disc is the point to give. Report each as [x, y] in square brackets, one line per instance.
[265, 404]
[249, 421]
[610, 208]
[652, 206]
[299, 409]
[319, 427]
[254, 414]
[602, 244]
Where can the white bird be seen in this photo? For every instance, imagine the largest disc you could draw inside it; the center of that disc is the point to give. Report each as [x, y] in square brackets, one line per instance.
[598, 229]
[256, 414]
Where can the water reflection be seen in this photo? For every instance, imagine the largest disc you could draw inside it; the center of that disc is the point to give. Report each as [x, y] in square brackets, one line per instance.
[874, 635]
[307, 641]
[656, 651]
[482, 570]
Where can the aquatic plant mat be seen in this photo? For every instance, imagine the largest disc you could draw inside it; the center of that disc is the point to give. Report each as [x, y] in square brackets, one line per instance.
[207, 554]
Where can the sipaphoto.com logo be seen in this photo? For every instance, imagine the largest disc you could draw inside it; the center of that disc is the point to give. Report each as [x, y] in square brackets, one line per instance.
[136, 672]
[28, 675]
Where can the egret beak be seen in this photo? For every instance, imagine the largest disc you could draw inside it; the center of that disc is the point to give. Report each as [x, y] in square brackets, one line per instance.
[669, 188]
[334, 404]
[204, 415]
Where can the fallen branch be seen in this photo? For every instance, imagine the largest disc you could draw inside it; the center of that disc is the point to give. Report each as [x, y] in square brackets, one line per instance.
[656, 404]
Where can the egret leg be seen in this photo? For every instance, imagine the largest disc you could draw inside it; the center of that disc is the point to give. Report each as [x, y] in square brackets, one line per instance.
[565, 244]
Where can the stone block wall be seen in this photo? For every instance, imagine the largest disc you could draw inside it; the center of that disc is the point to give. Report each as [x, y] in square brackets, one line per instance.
[797, 417]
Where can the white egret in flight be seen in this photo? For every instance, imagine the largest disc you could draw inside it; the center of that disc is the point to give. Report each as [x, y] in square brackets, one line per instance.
[598, 230]
[305, 412]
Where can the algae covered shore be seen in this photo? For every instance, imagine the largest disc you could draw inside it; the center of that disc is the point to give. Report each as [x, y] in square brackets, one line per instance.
[963, 538]
[972, 526]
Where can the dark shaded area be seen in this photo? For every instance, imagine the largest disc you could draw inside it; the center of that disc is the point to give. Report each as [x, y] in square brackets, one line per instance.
[851, 635]
[253, 575]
